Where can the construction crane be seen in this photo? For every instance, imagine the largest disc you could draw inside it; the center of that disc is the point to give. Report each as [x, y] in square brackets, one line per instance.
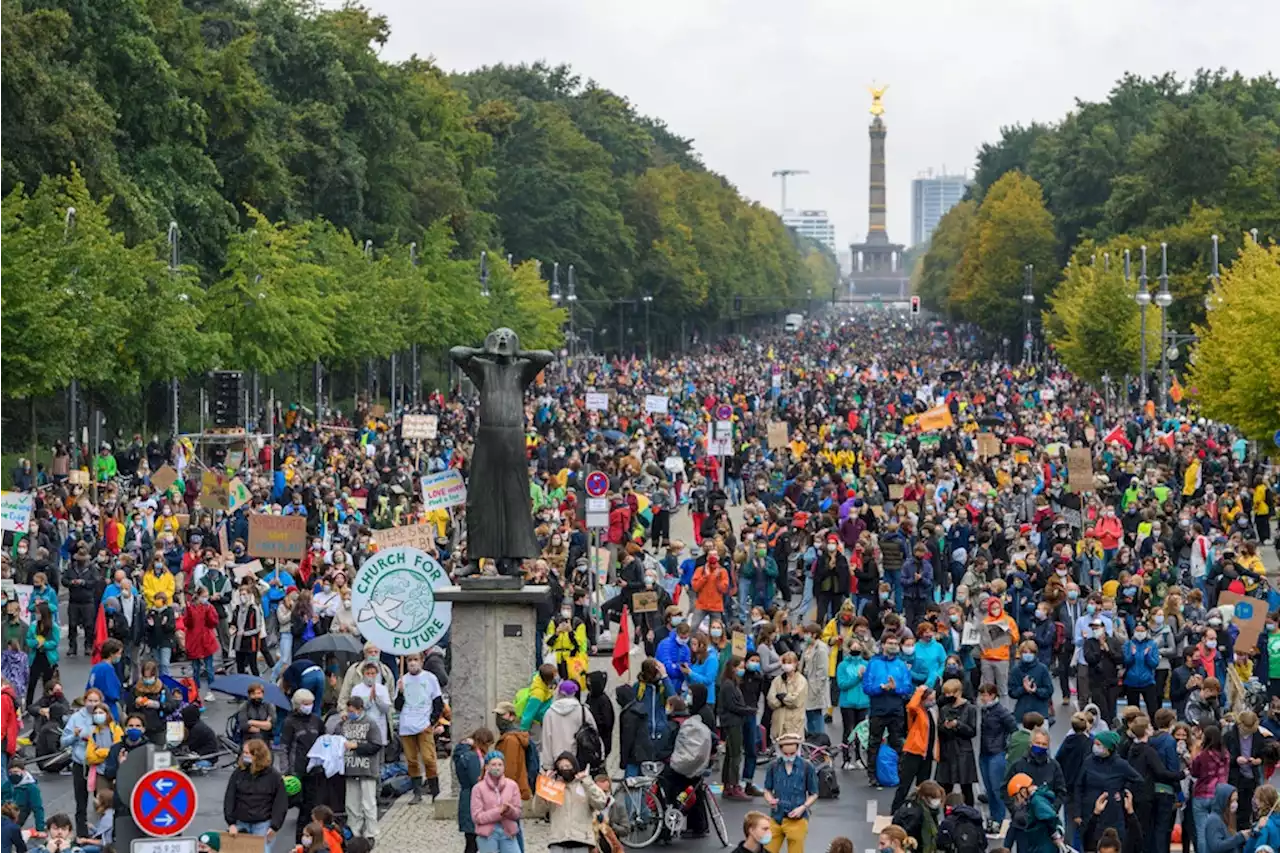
[784, 174]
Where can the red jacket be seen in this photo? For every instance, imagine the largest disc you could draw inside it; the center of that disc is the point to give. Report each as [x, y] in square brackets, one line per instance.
[9, 711]
[619, 524]
[200, 621]
[1109, 532]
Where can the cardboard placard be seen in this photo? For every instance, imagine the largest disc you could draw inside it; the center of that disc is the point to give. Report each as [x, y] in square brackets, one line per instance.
[378, 410]
[15, 511]
[777, 435]
[939, 417]
[987, 445]
[1080, 469]
[243, 570]
[913, 507]
[235, 458]
[644, 602]
[215, 491]
[281, 536]
[896, 491]
[550, 789]
[163, 477]
[242, 842]
[238, 495]
[443, 490]
[738, 644]
[184, 520]
[1250, 617]
[877, 510]
[597, 401]
[420, 536]
[655, 404]
[419, 426]
[1090, 434]
[79, 478]
[360, 502]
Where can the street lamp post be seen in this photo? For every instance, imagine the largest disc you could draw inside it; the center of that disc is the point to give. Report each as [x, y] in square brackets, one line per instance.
[413, 348]
[1028, 299]
[1143, 298]
[73, 393]
[572, 298]
[1164, 299]
[173, 271]
[484, 274]
[648, 348]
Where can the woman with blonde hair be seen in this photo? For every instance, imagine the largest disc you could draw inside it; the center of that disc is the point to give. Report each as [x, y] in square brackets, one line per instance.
[894, 839]
[786, 697]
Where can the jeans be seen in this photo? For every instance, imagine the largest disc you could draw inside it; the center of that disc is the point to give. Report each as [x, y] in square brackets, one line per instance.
[257, 828]
[806, 599]
[733, 488]
[750, 740]
[1201, 808]
[992, 768]
[813, 721]
[207, 664]
[497, 842]
[162, 657]
[286, 654]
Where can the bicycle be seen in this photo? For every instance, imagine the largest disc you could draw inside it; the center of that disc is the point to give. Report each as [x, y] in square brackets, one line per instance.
[652, 817]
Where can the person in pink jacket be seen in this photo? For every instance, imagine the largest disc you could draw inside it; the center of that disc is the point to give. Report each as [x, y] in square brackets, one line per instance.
[496, 808]
[1110, 533]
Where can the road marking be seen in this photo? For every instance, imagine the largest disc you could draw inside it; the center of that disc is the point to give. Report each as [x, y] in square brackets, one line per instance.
[872, 808]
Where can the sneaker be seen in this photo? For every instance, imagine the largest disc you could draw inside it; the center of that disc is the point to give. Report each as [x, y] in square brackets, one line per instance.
[982, 798]
[993, 829]
[752, 791]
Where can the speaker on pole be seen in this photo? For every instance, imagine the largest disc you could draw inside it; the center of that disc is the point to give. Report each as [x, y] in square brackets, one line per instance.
[228, 399]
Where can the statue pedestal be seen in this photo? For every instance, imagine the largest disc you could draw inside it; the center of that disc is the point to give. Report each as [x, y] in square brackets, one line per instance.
[493, 641]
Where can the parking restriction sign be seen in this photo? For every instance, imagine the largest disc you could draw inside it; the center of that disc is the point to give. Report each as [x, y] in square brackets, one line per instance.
[163, 802]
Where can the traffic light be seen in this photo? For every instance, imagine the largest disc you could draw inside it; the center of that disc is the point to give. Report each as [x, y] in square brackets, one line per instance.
[228, 395]
[915, 305]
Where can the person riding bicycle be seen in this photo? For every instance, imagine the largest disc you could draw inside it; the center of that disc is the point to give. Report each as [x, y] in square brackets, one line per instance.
[690, 756]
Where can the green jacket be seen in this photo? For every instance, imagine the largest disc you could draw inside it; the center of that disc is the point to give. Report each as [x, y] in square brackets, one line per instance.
[1019, 745]
[104, 467]
[748, 573]
[26, 796]
[1036, 823]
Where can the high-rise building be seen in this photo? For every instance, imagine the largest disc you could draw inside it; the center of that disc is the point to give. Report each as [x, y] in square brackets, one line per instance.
[931, 197]
[813, 224]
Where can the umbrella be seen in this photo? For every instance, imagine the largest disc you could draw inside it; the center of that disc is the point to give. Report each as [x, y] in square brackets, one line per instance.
[1020, 440]
[991, 421]
[951, 376]
[614, 435]
[238, 686]
[342, 645]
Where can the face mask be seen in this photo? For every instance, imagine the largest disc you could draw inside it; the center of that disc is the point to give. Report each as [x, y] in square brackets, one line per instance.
[1041, 615]
[1214, 623]
[1099, 750]
[1099, 632]
[831, 549]
[1039, 751]
[765, 839]
[1130, 590]
[1210, 644]
[683, 641]
[100, 718]
[677, 620]
[934, 804]
[955, 618]
[884, 596]
[650, 581]
[148, 681]
[789, 759]
[368, 681]
[908, 650]
[496, 772]
[1072, 594]
[717, 633]
[1159, 619]
[1091, 608]
[567, 774]
[740, 672]
[246, 760]
[788, 667]
[994, 609]
[134, 734]
[1062, 573]
[1028, 657]
[307, 709]
[306, 841]
[353, 716]
[1139, 635]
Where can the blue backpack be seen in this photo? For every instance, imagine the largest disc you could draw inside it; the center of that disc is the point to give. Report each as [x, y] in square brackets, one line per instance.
[887, 766]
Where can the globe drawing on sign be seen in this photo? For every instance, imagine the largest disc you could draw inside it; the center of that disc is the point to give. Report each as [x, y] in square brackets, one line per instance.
[395, 602]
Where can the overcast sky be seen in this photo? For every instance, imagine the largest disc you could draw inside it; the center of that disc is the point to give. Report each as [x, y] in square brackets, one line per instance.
[763, 85]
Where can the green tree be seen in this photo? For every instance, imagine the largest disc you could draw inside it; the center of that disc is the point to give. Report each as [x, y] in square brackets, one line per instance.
[940, 264]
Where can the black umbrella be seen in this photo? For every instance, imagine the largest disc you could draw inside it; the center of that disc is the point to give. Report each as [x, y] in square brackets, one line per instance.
[991, 421]
[341, 645]
[952, 376]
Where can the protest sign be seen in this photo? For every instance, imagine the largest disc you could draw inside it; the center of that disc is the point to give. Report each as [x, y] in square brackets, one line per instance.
[988, 445]
[420, 536]
[235, 458]
[443, 490]
[281, 536]
[78, 477]
[896, 491]
[242, 843]
[1080, 469]
[215, 491]
[377, 410]
[360, 502]
[644, 602]
[597, 401]
[655, 404]
[15, 511]
[419, 426]
[238, 495]
[739, 644]
[777, 435]
[164, 477]
[1249, 615]
[244, 570]
[939, 417]
[913, 507]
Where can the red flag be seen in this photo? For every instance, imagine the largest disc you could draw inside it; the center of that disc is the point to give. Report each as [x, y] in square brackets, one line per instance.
[99, 634]
[1117, 435]
[622, 646]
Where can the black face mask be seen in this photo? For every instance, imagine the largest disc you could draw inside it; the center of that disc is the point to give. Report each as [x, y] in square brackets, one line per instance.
[567, 773]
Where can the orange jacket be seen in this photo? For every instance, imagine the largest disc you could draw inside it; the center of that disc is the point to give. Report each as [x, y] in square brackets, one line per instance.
[1001, 652]
[710, 585]
[919, 719]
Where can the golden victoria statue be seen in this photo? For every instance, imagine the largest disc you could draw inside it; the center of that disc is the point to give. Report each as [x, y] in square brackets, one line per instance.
[877, 108]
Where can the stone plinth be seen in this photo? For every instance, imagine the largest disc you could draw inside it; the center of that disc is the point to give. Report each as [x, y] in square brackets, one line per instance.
[493, 642]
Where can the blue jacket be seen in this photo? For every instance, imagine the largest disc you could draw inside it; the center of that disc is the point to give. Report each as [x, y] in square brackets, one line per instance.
[104, 677]
[1037, 700]
[1216, 837]
[1167, 748]
[1268, 835]
[887, 702]
[1109, 775]
[653, 698]
[671, 654]
[997, 725]
[705, 673]
[916, 590]
[849, 679]
[1140, 661]
[1046, 633]
[83, 721]
[47, 594]
[929, 662]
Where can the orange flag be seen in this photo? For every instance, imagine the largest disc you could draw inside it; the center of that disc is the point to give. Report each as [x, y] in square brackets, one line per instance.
[1175, 391]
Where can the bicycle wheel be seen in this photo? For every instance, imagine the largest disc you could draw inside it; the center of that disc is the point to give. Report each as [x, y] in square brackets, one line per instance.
[717, 819]
[644, 807]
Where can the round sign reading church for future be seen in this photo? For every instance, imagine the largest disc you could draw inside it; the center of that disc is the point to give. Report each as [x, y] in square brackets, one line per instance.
[394, 601]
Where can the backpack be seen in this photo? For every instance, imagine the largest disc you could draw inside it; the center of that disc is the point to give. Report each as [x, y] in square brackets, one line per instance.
[587, 744]
[692, 750]
[961, 836]
[887, 766]
[828, 784]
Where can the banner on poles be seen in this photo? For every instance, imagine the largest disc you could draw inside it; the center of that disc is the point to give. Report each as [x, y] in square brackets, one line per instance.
[939, 417]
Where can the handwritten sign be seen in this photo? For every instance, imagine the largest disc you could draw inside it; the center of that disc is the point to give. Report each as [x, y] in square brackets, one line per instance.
[645, 602]
[777, 435]
[420, 536]
[988, 445]
[443, 490]
[739, 644]
[597, 401]
[238, 495]
[1080, 469]
[419, 426]
[215, 491]
[281, 536]
[15, 511]
[244, 570]
[164, 477]
[655, 404]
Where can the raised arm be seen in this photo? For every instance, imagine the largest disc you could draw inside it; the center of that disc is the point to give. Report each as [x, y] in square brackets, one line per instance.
[465, 358]
[535, 361]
